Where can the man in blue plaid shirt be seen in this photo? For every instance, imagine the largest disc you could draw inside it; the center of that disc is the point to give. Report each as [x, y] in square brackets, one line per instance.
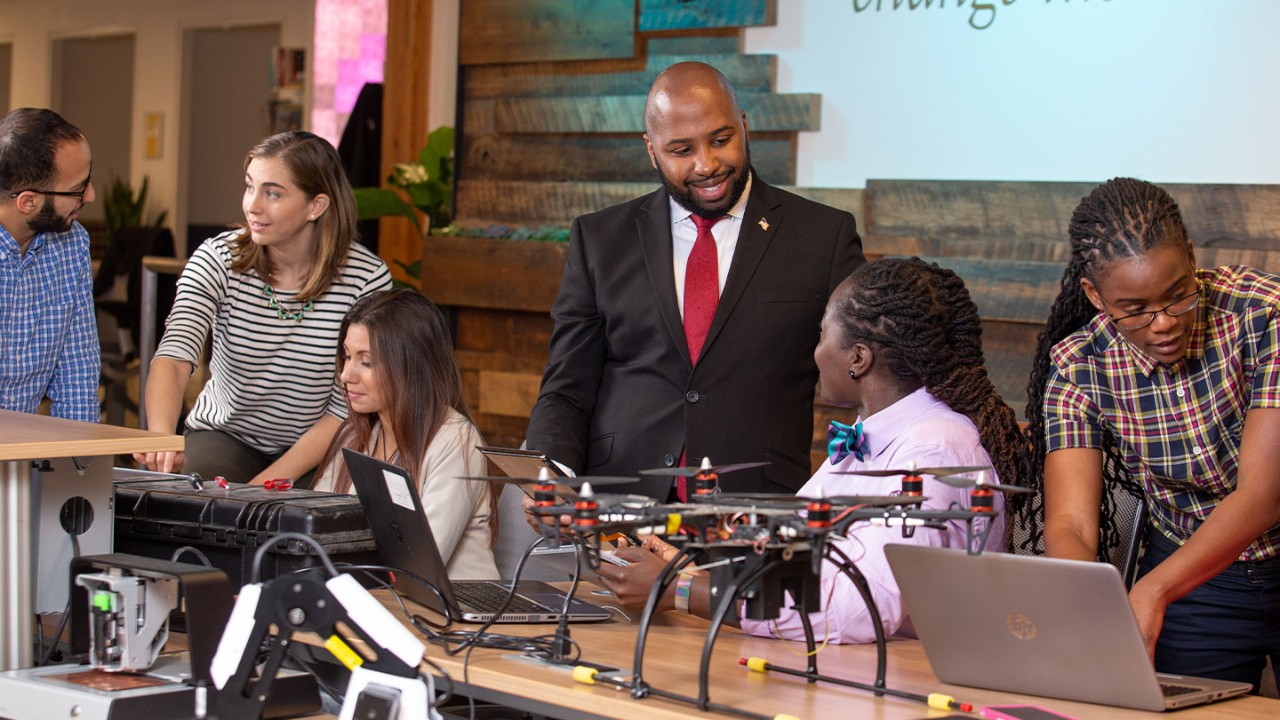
[48, 333]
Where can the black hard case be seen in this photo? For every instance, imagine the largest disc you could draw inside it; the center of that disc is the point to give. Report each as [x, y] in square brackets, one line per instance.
[153, 518]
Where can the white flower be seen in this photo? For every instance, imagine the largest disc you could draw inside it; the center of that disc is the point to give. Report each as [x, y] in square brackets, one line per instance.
[410, 173]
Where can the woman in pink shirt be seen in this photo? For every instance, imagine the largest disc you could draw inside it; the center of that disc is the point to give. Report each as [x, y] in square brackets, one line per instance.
[901, 348]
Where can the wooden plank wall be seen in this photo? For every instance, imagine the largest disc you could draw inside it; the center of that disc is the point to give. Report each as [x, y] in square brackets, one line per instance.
[1008, 240]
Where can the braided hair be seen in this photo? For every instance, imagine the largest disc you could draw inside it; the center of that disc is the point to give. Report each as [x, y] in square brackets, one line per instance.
[1122, 218]
[919, 319]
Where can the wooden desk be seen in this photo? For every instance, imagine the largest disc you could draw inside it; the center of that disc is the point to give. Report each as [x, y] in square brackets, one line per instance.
[675, 646]
[24, 438]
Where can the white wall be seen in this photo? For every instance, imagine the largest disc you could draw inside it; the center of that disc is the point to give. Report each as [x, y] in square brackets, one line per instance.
[158, 26]
[1073, 90]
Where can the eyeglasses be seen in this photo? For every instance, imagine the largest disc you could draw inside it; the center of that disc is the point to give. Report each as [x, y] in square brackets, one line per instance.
[61, 193]
[1181, 306]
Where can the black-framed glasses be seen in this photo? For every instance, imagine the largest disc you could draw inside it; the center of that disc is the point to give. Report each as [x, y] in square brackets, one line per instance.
[60, 193]
[1180, 306]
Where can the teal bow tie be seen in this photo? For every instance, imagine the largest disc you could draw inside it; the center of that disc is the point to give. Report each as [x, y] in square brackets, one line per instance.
[843, 439]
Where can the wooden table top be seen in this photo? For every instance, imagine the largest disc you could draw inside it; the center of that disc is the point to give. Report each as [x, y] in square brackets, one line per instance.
[24, 436]
[671, 662]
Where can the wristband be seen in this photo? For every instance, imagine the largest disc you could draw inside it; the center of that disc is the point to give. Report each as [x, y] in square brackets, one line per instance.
[683, 586]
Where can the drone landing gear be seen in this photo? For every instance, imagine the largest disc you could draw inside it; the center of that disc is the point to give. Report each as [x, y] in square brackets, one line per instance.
[788, 570]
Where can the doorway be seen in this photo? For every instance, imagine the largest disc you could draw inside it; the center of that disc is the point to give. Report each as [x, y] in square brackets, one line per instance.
[93, 89]
[6, 71]
[226, 87]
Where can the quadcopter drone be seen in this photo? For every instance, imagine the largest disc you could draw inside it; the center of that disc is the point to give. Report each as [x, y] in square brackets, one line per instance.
[758, 547]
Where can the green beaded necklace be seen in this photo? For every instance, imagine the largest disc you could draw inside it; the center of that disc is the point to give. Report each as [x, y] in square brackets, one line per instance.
[273, 303]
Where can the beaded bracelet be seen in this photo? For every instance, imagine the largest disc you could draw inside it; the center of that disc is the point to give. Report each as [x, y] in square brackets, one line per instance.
[683, 586]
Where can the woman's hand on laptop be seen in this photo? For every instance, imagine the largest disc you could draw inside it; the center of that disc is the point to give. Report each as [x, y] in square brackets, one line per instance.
[1149, 609]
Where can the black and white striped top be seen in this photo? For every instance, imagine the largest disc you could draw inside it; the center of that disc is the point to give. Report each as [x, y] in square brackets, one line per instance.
[271, 378]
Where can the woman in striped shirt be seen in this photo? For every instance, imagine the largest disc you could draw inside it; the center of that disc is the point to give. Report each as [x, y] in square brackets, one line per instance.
[273, 293]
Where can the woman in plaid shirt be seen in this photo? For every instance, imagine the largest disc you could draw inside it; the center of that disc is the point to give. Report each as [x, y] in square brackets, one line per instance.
[1170, 374]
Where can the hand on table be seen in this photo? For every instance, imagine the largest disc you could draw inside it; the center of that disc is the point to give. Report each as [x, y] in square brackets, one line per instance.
[167, 461]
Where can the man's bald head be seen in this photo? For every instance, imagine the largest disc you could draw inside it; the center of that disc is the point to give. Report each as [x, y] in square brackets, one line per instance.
[688, 82]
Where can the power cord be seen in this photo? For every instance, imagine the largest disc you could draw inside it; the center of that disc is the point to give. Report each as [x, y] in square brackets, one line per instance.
[66, 612]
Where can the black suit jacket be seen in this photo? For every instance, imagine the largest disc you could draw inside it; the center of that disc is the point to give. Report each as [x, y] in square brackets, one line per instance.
[619, 394]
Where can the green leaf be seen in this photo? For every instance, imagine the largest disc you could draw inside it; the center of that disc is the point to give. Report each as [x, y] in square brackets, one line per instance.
[426, 195]
[435, 157]
[372, 203]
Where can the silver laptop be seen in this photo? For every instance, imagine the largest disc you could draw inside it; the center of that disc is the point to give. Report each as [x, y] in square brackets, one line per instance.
[1037, 626]
[404, 540]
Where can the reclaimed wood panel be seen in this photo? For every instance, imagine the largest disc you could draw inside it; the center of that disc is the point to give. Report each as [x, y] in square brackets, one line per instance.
[533, 203]
[1008, 290]
[748, 73]
[728, 43]
[510, 394]
[485, 273]
[511, 31]
[603, 158]
[625, 113]
[658, 15]
[1029, 219]
[501, 430]
[1230, 216]
[850, 200]
[510, 340]
[529, 364]
[1008, 348]
[977, 210]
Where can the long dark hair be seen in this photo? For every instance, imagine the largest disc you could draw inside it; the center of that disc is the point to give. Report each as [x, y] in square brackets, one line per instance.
[418, 375]
[1122, 218]
[919, 319]
[317, 170]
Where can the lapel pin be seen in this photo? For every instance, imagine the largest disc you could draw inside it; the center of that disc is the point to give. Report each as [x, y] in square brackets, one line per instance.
[764, 224]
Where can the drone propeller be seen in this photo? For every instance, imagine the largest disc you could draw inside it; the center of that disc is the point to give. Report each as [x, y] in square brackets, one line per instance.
[572, 482]
[705, 468]
[876, 500]
[913, 471]
[962, 482]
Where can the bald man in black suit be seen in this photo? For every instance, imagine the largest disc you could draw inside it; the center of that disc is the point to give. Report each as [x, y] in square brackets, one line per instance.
[623, 391]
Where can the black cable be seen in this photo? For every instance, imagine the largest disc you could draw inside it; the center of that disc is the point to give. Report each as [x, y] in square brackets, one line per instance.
[470, 637]
[369, 569]
[66, 612]
[255, 574]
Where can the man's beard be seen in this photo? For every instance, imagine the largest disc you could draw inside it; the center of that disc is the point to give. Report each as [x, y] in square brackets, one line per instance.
[689, 201]
[48, 220]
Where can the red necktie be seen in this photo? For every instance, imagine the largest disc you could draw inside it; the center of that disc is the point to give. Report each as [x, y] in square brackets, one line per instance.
[701, 287]
[701, 295]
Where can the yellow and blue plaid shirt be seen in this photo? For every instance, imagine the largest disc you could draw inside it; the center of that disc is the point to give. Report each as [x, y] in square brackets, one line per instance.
[1178, 426]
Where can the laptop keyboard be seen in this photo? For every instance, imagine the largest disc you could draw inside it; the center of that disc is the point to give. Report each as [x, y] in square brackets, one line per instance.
[488, 598]
[1171, 690]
